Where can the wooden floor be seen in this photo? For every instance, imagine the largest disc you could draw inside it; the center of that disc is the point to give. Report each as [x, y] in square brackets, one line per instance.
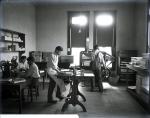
[115, 102]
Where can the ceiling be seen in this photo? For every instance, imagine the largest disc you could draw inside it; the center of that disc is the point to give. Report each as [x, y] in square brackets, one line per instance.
[70, 1]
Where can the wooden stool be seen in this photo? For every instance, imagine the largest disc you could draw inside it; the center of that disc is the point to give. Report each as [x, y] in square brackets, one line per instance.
[33, 89]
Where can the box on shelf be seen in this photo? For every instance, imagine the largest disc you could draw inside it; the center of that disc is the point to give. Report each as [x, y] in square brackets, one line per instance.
[19, 48]
[12, 47]
[17, 39]
[7, 38]
[22, 49]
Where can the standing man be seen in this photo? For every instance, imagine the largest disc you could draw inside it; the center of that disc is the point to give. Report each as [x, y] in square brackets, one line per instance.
[53, 71]
[97, 64]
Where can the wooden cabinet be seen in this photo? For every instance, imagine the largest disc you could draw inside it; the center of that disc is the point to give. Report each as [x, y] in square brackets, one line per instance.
[12, 41]
[124, 58]
[141, 90]
[142, 86]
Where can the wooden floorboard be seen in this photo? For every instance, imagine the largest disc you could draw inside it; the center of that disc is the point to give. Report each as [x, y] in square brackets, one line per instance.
[114, 102]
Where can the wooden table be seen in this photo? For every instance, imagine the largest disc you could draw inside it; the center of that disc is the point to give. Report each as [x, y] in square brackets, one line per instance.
[18, 84]
[72, 97]
[138, 69]
[90, 74]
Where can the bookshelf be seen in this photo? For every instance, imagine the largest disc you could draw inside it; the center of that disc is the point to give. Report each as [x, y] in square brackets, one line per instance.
[12, 41]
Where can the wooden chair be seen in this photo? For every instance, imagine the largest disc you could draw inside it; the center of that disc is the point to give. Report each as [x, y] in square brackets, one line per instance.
[33, 89]
[42, 70]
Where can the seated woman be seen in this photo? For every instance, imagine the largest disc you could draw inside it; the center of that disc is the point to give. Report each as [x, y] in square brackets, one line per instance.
[23, 65]
[32, 74]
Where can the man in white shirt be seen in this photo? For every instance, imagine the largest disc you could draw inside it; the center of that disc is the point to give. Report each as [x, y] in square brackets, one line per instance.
[53, 71]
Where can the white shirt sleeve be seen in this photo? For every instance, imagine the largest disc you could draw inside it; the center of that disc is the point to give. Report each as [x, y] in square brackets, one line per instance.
[52, 61]
[101, 58]
[33, 71]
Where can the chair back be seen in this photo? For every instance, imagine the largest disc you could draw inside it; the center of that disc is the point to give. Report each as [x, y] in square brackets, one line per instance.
[41, 65]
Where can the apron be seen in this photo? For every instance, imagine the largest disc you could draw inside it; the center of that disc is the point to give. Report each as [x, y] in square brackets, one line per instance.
[53, 74]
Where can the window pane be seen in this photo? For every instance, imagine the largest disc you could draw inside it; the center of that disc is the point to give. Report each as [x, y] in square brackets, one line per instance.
[78, 36]
[76, 54]
[105, 36]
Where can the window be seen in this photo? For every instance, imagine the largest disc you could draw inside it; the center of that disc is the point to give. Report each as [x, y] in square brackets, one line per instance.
[78, 30]
[76, 55]
[105, 32]
[104, 20]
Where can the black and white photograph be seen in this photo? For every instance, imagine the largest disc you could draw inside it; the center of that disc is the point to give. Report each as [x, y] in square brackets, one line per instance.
[75, 58]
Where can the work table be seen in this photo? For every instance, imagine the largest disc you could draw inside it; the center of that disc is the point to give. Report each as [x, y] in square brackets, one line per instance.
[141, 90]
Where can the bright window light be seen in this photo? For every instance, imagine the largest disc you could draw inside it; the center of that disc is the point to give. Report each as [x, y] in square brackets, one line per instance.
[76, 55]
[104, 20]
[108, 86]
[79, 20]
